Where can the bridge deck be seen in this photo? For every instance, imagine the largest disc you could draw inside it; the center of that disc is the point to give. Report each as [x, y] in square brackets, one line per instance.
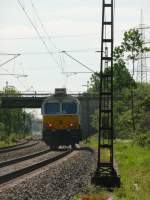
[32, 100]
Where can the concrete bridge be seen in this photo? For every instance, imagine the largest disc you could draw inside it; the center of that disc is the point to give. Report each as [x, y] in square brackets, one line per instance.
[88, 104]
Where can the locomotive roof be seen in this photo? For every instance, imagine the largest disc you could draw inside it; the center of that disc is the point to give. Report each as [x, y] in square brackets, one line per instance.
[59, 98]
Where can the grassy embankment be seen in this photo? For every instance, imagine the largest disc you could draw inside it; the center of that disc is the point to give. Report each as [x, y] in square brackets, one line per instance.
[134, 167]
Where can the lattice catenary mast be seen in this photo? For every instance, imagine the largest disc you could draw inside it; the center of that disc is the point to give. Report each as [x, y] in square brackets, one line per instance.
[106, 174]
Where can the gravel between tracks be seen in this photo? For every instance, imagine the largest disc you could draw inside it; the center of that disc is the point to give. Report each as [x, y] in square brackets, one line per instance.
[22, 152]
[58, 181]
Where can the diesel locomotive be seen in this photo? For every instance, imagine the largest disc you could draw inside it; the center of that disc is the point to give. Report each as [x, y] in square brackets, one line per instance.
[61, 119]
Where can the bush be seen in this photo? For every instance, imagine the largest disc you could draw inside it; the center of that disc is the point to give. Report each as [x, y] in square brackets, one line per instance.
[143, 139]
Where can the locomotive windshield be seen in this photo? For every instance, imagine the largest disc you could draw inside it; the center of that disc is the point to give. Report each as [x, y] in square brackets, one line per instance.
[52, 108]
[69, 108]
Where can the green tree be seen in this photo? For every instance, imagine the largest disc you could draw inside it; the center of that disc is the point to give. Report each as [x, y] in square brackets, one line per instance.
[14, 121]
[133, 46]
[128, 111]
[93, 84]
[122, 78]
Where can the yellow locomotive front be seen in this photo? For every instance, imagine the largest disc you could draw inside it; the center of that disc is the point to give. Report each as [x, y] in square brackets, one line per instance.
[61, 120]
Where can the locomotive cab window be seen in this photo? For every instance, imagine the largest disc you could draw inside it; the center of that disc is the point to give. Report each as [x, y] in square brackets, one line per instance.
[52, 108]
[69, 108]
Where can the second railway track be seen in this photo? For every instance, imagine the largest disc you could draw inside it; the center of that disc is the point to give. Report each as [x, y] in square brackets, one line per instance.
[23, 158]
[15, 145]
[19, 146]
[12, 169]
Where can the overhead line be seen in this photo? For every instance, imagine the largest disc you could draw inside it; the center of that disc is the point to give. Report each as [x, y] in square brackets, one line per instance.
[148, 27]
[60, 36]
[41, 23]
[56, 52]
[4, 63]
[14, 77]
[18, 75]
[143, 58]
[9, 54]
[54, 36]
[35, 28]
[85, 66]
[77, 72]
[45, 31]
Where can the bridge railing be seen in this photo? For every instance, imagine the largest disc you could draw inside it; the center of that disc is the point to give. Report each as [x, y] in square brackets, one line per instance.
[44, 94]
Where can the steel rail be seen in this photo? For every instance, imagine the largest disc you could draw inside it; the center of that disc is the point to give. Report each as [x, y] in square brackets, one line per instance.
[17, 148]
[12, 175]
[15, 145]
[23, 158]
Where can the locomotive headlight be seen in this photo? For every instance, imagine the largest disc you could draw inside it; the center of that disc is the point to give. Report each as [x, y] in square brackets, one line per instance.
[72, 124]
[50, 125]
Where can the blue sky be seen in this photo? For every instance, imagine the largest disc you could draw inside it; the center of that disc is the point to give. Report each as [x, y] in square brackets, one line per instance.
[72, 25]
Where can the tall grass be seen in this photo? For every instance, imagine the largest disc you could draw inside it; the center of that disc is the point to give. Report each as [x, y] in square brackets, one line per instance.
[134, 166]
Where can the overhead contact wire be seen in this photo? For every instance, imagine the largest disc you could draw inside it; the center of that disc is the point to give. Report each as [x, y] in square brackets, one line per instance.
[42, 25]
[85, 66]
[44, 30]
[40, 37]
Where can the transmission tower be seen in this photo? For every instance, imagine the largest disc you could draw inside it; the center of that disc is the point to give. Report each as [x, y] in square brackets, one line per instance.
[105, 173]
[142, 70]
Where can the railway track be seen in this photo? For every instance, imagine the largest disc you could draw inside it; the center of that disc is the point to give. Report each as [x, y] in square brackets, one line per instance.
[18, 167]
[24, 145]
[15, 145]
[23, 158]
